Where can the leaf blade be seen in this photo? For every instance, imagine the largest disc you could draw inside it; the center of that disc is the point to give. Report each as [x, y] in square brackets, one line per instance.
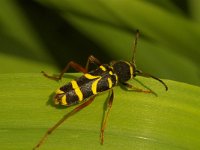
[137, 120]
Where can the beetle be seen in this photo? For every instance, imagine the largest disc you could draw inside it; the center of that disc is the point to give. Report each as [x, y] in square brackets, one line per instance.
[83, 90]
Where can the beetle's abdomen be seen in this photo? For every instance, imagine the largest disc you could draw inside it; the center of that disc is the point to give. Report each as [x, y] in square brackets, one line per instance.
[92, 83]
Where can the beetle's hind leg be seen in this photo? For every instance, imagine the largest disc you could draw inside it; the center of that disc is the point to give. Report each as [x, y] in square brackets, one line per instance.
[64, 118]
[71, 64]
[76, 66]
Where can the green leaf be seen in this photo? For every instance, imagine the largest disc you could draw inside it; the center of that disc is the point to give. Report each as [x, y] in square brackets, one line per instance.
[194, 9]
[16, 64]
[169, 39]
[137, 120]
[21, 48]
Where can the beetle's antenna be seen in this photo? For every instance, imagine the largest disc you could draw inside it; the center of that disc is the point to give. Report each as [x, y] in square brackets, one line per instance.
[140, 73]
[135, 45]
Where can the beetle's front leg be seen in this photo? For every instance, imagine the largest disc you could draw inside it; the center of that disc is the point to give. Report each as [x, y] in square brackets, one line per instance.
[136, 89]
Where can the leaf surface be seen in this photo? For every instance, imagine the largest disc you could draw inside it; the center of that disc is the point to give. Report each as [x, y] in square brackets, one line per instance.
[137, 120]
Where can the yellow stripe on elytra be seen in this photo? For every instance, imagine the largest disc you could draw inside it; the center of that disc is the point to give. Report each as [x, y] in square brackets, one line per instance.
[63, 100]
[110, 72]
[94, 86]
[89, 76]
[58, 91]
[77, 90]
[109, 83]
[102, 68]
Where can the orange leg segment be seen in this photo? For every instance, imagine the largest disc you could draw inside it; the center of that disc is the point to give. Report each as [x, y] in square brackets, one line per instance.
[105, 117]
[65, 117]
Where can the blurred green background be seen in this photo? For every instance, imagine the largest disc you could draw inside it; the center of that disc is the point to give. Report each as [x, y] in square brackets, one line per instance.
[40, 35]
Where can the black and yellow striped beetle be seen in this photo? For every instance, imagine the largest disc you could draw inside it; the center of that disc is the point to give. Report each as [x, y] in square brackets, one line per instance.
[84, 89]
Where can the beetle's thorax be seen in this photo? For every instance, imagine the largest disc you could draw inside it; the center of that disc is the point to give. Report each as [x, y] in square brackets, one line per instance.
[124, 70]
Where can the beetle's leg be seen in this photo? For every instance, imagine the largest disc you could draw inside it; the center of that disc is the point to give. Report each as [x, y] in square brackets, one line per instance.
[72, 64]
[92, 60]
[76, 66]
[105, 117]
[140, 73]
[65, 117]
[136, 89]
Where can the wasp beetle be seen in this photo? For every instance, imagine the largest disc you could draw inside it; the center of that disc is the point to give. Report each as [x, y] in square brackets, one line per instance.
[84, 89]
